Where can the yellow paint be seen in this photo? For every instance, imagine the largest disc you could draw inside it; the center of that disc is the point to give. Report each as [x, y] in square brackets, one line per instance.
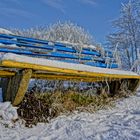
[13, 64]
[23, 85]
[55, 76]
[4, 73]
[65, 77]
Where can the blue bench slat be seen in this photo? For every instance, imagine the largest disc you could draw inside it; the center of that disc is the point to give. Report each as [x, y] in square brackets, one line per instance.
[23, 38]
[87, 58]
[91, 52]
[103, 65]
[114, 65]
[11, 42]
[72, 50]
[65, 49]
[86, 49]
[93, 58]
[15, 51]
[63, 55]
[6, 42]
[6, 36]
[33, 40]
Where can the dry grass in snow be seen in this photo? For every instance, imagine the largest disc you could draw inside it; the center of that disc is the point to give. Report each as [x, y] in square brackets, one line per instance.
[43, 107]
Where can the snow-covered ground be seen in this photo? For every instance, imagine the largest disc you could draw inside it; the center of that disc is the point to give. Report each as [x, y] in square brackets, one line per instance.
[119, 123]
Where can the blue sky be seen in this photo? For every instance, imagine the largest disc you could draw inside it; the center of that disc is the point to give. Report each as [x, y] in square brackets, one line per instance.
[93, 15]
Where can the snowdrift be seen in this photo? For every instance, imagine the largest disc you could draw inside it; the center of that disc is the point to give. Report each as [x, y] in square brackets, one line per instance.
[8, 114]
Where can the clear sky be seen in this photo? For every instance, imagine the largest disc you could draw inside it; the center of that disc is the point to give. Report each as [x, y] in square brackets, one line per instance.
[93, 15]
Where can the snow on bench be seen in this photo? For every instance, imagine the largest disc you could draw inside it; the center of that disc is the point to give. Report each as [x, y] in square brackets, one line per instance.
[62, 65]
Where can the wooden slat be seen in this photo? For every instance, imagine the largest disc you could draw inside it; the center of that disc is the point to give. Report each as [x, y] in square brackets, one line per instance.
[55, 76]
[4, 73]
[65, 77]
[14, 64]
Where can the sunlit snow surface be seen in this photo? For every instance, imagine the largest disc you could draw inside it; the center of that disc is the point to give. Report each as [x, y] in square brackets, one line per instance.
[120, 123]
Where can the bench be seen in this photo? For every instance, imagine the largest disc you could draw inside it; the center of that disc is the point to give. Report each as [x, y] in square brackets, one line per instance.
[24, 58]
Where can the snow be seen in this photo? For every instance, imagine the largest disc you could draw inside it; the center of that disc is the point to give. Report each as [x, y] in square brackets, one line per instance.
[8, 113]
[119, 123]
[63, 65]
[4, 31]
[12, 45]
[78, 44]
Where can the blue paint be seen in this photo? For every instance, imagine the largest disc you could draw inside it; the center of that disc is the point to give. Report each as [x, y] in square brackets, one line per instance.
[61, 52]
[102, 65]
[23, 41]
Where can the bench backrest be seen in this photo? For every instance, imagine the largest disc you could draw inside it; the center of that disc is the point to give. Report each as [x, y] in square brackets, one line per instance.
[54, 50]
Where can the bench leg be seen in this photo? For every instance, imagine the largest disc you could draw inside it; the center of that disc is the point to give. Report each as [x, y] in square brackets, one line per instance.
[130, 84]
[114, 87]
[14, 88]
[134, 84]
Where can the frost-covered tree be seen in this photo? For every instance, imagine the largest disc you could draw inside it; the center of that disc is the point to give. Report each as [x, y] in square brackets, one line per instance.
[127, 33]
[66, 32]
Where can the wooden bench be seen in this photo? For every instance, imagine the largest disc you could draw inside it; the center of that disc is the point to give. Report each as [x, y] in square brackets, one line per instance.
[25, 58]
